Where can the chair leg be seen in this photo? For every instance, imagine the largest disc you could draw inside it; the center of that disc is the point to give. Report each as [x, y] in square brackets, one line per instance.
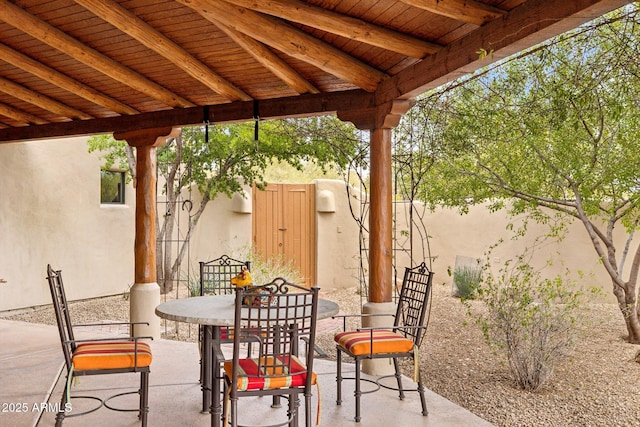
[423, 402]
[63, 402]
[294, 404]
[144, 398]
[339, 377]
[307, 409]
[233, 416]
[398, 378]
[357, 393]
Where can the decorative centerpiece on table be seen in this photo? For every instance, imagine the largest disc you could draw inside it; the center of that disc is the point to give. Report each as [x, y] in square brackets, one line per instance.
[258, 295]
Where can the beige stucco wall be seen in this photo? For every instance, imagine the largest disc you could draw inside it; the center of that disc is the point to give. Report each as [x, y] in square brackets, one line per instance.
[472, 235]
[50, 212]
[336, 238]
[224, 228]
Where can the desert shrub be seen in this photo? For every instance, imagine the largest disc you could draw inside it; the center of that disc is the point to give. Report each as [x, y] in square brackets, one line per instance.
[466, 279]
[529, 319]
[264, 270]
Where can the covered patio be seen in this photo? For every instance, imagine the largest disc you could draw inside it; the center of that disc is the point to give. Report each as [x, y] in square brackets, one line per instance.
[142, 70]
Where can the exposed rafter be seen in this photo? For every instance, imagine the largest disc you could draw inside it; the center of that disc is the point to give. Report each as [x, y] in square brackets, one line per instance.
[269, 59]
[469, 11]
[290, 41]
[17, 17]
[128, 23]
[20, 116]
[58, 79]
[342, 25]
[20, 92]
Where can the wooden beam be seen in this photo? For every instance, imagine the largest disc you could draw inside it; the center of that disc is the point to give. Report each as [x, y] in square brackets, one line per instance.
[58, 79]
[19, 18]
[342, 25]
[524, 26]
[270, 60]
[469, 11]
[20, 116]
[129, 23]
[41, 101]
[290, 41]
[294, 106]
[386, 116]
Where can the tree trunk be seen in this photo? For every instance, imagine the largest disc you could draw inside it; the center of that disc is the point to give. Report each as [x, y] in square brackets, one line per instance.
[627, 302]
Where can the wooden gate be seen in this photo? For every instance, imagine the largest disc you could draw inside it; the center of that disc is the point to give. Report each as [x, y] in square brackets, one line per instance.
[284, 225]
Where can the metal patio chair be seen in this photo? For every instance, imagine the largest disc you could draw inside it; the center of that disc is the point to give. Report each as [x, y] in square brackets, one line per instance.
[215, 279]
[276, 316]
[400, 340]
[216, 275]
[98, 356]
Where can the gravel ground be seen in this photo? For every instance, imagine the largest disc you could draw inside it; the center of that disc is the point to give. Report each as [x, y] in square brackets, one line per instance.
[598, 386]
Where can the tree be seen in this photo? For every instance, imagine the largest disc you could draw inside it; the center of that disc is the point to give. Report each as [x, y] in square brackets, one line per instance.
[221, 159]
[556, 129]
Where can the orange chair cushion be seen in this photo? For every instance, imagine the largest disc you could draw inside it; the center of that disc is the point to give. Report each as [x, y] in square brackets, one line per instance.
[359, 343]
[248, 378]
[111, 355]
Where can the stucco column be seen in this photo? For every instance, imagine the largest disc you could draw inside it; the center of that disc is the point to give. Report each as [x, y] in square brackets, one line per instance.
[380, 120]
[145, 293]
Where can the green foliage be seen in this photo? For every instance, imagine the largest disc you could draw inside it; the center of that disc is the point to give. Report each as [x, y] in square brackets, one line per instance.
[466, 280]
[528, 319]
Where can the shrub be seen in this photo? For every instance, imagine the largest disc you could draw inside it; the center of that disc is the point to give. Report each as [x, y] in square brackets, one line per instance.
[528, 318]
[466, 279]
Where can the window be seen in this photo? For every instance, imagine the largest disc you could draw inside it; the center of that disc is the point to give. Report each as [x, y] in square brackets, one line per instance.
[111, 187]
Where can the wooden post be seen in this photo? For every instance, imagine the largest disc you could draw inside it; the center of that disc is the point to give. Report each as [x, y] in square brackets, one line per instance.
[379, 121]
[145, 292]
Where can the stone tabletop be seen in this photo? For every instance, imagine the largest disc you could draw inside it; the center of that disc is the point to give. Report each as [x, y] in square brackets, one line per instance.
[218, 310]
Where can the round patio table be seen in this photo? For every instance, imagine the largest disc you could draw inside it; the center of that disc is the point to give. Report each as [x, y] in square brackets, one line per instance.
[213, 312]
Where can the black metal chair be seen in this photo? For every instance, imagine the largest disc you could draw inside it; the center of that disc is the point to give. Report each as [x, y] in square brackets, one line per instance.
[215, 279]
[276, 316]
[216, 275]
[98, 356]
[401, 340]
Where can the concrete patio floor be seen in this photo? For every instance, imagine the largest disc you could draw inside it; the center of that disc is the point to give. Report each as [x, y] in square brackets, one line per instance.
[31, 361]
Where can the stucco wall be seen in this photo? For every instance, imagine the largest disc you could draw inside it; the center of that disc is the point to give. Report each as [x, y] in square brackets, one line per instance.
[50, 212]
[337, 238]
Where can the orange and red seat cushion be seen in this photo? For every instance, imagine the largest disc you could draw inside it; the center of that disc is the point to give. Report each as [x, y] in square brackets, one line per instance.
[111, 355]
[376, 341]
[273, 376]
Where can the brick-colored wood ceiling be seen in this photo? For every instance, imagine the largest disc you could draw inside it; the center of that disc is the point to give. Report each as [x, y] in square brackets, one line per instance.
[90, 66]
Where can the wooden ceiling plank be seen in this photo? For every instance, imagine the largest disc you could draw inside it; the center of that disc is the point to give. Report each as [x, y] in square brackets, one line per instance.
[291, 41]
[128, 23]
[35, 98]
[20, 116]
[58, 79]
[468, 11]
[342, 25]
[27, 23]
[270, 60]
